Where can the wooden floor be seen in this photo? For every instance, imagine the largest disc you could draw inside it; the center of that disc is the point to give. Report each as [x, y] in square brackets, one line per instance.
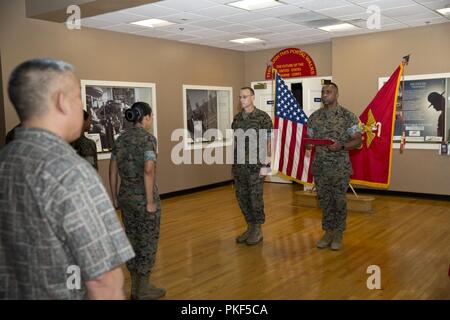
[408, 238]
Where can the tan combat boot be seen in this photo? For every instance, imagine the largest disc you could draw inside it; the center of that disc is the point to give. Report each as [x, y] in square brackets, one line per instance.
[141, 289]
[243, 237]
[326, 239]
[337, 241]
[255, 236]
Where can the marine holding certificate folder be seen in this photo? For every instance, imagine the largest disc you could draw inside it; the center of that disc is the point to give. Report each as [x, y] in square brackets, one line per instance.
[332, 167]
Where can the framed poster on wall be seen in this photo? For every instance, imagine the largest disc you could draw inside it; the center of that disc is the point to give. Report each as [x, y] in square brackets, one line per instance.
[424, 114]
[208, 113]
[107, 102]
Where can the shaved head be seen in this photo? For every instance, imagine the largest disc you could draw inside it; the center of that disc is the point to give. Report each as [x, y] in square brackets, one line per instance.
[33, 83]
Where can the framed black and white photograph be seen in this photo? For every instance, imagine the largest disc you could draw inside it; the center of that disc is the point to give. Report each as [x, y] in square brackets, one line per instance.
[106, 102]
[208, 113]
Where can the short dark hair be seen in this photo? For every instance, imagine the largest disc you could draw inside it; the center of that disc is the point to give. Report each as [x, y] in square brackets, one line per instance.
[250, 89]
[138, 111]
[30, 82]
[332, 84]
[86, 115]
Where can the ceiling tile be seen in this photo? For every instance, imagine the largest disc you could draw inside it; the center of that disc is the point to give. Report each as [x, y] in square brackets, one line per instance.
[297, 2]
[206, 33]
[384, 21]
[280, 11]
[343, 11]
[268, 22]
[152, 11]
[119, 17]
[210, 23]
[278, 37]
[155, 33]
[255, 33]
[388, 4]
[184, 5]
[184, 17]
[433, 5]
[363, 15]
[233, 27]
[244, 17]
[394, 26]
[93, 23]
[418, 16]
[218, 11]
[128, 28]
[201, 41]
[248, 47]
[425, 22]
[180, 37]
[286, 28]
[299, 18]
[405, 11]
[324, 4]
[224, 37]
[308, 32]
[183, 28]
[227, 1]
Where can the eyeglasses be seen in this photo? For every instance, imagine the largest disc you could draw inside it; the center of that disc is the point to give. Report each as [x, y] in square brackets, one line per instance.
[245, 97]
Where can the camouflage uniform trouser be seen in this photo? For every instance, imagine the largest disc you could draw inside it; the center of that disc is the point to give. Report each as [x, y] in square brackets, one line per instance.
[249, 193]
[142, 230]
[331, 192]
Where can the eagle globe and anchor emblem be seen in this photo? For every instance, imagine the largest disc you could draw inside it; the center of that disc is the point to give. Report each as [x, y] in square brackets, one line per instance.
[371, 129]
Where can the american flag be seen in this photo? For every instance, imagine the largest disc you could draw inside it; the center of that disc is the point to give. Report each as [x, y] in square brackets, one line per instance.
[291, 158]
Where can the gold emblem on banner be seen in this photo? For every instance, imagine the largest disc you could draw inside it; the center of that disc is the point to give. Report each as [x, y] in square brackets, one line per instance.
[372, 128]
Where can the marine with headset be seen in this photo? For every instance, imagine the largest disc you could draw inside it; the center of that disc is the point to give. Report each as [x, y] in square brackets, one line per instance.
[133, 159]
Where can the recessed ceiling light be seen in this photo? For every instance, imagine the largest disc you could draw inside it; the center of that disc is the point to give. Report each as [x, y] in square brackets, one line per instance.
[444, 11]
[247, 40]
[255, 4]
[339, 27]
[153, 23]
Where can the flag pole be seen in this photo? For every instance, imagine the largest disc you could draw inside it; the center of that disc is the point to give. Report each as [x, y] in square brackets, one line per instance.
[274, 95]
[354, 192]
[405, 62]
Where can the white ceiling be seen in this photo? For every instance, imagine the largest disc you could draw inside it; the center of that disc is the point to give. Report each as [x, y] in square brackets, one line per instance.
[213, 23]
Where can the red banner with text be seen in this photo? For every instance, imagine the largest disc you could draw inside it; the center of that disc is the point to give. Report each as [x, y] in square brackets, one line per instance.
[292, 63]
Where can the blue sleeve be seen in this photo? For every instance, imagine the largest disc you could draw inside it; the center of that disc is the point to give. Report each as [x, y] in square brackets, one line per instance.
[149, 155]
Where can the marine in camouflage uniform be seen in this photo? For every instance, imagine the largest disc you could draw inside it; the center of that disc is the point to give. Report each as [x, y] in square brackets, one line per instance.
[332, 167]
[85, 147]
[10, 135]
[131, 150]
[247, 165]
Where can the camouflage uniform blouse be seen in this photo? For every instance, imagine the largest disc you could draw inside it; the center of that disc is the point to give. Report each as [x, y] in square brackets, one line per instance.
[256, 120]
[339, 125]
[131, 149]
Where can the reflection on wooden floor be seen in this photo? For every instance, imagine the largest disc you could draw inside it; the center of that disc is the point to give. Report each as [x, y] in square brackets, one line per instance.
[409, 239]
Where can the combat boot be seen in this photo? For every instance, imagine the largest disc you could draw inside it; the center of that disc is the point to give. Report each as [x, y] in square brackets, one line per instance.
[337, 241]
[141, 289]
[243, 237]
[255, 236]
[326, 239]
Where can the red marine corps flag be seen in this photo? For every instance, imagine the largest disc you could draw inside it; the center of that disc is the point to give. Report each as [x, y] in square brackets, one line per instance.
[372, 162]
